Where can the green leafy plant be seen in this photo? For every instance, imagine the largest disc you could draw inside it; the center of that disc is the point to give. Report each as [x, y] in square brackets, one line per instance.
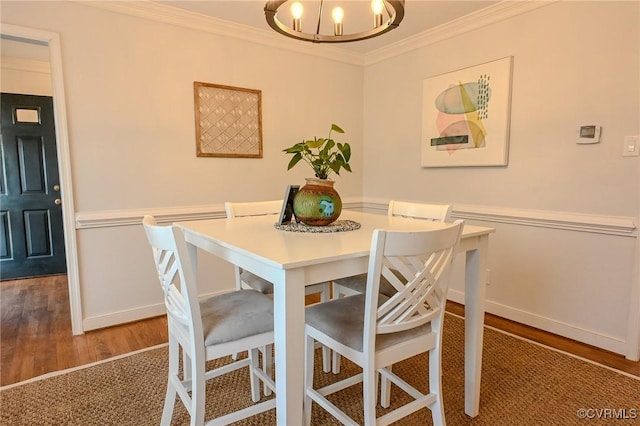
[324, 155]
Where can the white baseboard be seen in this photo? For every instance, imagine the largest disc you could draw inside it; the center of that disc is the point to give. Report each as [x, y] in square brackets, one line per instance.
[130, 315]
[550, 325]
[123, 317]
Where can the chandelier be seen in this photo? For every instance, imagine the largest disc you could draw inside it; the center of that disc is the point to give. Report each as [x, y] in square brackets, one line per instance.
[392, 9]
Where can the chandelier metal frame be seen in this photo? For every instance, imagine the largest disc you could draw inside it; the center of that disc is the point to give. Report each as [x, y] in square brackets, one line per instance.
[396, 15]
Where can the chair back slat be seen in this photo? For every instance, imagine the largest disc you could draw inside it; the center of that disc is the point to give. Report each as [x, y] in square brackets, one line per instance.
[179, 298]
[417, 264]
[433, 212]
[408, 308]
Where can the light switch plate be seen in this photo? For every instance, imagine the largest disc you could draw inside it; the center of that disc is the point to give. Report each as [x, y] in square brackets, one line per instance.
[631, 147]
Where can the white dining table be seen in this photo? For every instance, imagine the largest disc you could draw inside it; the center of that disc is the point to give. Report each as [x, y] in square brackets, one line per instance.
[293, 260]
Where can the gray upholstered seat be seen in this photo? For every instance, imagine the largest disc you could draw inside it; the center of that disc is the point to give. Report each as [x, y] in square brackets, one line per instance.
[236, 315]
[255, 282]
[358, 283]
[343, 320]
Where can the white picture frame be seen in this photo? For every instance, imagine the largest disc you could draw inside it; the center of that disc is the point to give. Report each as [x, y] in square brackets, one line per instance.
[466, 115]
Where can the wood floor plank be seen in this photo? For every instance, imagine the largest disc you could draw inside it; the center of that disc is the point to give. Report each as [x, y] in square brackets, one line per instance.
[36, 338]
[35, 335]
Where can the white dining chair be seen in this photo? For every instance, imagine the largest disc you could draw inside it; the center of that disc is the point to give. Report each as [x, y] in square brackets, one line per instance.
[200, 331]
[375, 331]
[434, 212]
[245, 279]
[356, 284]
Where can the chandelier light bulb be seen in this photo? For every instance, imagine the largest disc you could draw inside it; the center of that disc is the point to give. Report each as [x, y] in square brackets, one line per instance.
[377, 7]
[337, 14]
[296, 12]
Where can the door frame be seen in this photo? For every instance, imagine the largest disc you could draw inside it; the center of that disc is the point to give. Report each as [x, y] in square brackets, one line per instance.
[52, 41]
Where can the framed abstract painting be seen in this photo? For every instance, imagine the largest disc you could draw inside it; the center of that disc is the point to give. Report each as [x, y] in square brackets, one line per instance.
[465, 116]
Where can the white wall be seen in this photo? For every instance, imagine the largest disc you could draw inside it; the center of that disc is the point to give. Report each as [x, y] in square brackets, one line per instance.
[575, 63]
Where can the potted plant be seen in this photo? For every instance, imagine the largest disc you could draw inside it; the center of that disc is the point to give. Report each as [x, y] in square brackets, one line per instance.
[317, 203]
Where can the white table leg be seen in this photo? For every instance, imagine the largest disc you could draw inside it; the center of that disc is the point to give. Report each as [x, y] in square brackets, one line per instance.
[475, 283]
[289, 343]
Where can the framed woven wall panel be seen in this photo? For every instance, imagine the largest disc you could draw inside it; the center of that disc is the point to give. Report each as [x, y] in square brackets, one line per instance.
[228, 121]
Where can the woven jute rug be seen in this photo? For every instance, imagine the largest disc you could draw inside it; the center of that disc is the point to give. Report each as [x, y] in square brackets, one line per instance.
[522, 384]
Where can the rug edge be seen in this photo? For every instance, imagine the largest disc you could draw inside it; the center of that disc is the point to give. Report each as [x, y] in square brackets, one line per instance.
[589, 361]
[80, 367]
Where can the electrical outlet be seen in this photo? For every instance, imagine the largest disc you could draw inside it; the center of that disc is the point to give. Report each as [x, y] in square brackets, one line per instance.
[631, 146]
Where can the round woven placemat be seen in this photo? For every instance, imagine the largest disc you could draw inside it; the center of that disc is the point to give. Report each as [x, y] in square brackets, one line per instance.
[337, 226]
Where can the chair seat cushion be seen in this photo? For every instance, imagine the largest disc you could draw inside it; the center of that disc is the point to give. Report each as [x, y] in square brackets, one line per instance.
[256, 283]
[235, 315]
[359, 283]
[343, 320]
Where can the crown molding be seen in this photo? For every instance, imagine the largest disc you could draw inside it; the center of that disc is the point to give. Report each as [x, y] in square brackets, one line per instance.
[24, 64]
[159, 12]
[498, 12]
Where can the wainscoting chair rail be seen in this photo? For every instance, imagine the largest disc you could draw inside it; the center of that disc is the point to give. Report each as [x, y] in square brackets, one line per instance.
[600, 224]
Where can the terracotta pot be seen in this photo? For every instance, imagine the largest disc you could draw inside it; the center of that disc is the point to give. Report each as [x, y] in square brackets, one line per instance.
[317, 203]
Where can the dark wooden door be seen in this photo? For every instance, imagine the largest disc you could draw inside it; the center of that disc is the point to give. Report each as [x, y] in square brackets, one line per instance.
[31, 226]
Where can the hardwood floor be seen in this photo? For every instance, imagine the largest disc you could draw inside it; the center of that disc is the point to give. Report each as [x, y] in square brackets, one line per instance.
[35, 334]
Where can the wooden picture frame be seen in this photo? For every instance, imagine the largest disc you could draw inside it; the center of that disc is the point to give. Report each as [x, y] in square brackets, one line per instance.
[228, 121]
